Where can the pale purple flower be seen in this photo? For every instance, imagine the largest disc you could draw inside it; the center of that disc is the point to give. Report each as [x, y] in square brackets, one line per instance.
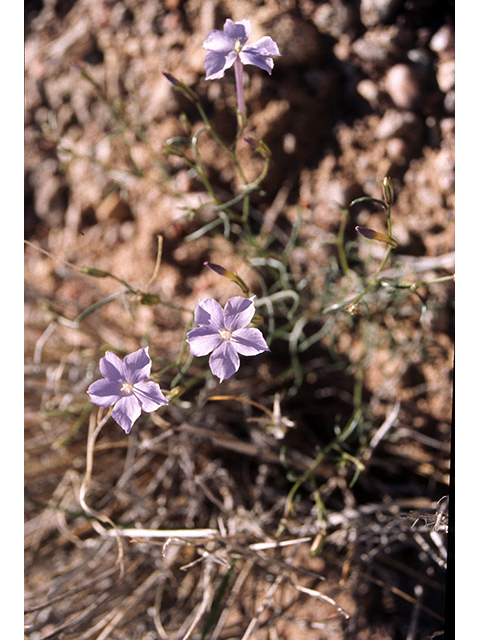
[227, 48]
[224, 47]
[225, 333]
[127, 386]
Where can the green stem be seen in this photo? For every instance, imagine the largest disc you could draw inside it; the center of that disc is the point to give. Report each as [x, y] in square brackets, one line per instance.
[335, 446]
[389, 221]
[373, 282]
[230, 151]
[425, 283]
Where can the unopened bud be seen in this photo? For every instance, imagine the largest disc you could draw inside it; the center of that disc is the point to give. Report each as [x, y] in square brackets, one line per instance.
[171, 79]
[388, 190]
[366, 232]
[181, 86]
[148, 299]
[216, 268]
[95, 273]
[371, 234]
[259, 146]
[226, 273]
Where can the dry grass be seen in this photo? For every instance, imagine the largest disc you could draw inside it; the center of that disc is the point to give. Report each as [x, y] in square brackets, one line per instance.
[190, 521]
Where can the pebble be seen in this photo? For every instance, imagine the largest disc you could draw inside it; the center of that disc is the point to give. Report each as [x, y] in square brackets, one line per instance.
[443, 40]
[368, 89]
[299, 41]
[335, 19]
[112, 207]
[446, 75]
[399, 124]
[402, 83]
[371, 52]
[397, 149]
[374, 12]
[379, 47]
[449, 102]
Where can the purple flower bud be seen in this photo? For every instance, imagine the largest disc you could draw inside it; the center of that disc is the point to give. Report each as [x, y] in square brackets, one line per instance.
[173, 81]
[371, 234]
[366, 232]
[216, 268]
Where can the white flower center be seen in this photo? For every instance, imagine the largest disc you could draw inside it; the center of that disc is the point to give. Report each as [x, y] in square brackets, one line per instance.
[225, 334]
[127, 387]
[238, 46]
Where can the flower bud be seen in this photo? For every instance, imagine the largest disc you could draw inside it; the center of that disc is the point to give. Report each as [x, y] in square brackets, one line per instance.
[366, 232]
[216, 268]
[388, 190]
[228, 274]
[181, 86]
[95, 273]
[171, 79]
[148, 299]
[259, 146]
[371, 234]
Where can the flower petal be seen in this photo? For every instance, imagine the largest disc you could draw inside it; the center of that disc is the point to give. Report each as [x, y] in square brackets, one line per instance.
[218, 41]
[111, 367]
[217, 63]
[259, 53]
[104, 393]
[262, 62]
[126, 411]
[237, 30]
[149, 395]
[263, 47]
[137, 366]
[202, 340]
[238, 313]
[249, 342]
[209, 314]
[224, 361]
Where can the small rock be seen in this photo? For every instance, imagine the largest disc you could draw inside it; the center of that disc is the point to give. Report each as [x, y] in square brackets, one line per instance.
[397, 150]
[335, 19]
[380, 47]
[449, 102]
[444, 165]
[51, 197]
[429, 198]
[112, 207]
[370, 52]
[373, 12]
[443, 40]
[299, 41]
[402, 84]
[399, 124]
[368, 89]
[446, 75]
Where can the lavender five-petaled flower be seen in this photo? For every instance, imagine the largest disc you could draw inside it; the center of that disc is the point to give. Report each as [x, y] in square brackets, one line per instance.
[126, 384]
[224, 47]
[225, 334]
